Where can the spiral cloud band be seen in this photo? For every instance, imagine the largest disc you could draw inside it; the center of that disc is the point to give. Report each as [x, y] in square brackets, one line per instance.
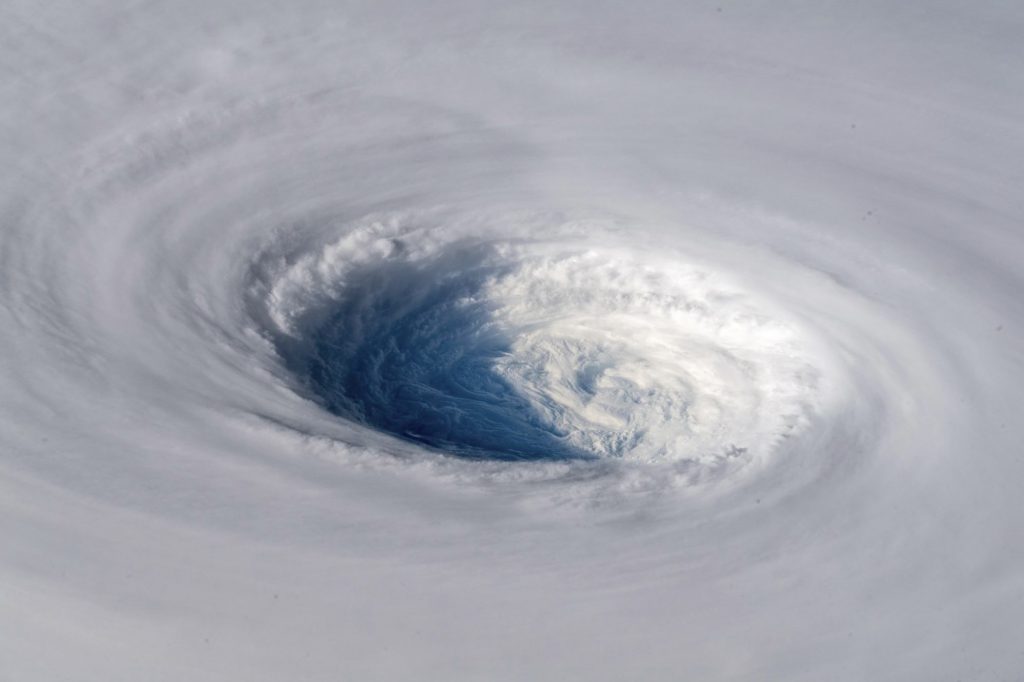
[567, 341]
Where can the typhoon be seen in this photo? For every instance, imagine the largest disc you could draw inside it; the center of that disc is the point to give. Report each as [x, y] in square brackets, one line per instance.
[511, 341]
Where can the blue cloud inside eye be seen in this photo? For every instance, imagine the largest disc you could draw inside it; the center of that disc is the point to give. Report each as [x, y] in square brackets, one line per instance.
[411, 350]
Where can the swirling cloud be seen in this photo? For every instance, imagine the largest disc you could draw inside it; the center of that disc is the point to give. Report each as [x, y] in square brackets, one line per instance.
[565, 342]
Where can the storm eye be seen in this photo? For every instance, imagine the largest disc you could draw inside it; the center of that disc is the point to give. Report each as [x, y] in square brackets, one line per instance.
[535, 350]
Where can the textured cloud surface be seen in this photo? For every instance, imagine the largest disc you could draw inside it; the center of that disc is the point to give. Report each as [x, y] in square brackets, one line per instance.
[439, 341]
